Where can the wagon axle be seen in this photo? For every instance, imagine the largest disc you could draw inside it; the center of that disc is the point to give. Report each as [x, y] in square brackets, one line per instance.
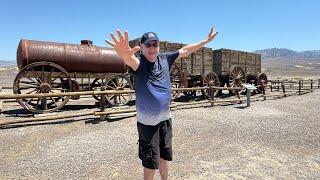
[45, 88]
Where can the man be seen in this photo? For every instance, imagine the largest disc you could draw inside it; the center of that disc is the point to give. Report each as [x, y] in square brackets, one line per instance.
[153, 95]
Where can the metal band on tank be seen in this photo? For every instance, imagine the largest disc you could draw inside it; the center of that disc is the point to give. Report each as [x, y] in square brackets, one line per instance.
[100, 62]
[65, 54]
[25, 44]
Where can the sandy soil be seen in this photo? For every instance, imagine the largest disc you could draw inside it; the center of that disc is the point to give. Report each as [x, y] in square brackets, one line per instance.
[273, 139]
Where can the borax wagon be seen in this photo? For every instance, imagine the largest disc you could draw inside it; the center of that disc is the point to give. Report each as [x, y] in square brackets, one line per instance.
[207, 67]
[50, 67]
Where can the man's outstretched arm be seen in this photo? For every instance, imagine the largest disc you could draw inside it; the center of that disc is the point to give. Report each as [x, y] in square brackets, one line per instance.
[121, 46]
[188, 49]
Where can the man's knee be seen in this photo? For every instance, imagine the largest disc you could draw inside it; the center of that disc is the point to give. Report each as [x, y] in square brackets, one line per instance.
[148, 156]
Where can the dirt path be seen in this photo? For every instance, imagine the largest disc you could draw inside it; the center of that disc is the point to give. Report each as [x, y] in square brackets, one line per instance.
[272, 139]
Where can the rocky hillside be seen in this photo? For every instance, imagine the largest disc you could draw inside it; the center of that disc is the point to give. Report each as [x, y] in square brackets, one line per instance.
[283, 52]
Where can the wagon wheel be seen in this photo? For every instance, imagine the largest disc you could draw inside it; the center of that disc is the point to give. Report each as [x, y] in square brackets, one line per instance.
[175, 78]
[115, 82]
[96, 84]
[262, 80]
[237, 77]
[211, 79]
[37, 78]
[119, 82]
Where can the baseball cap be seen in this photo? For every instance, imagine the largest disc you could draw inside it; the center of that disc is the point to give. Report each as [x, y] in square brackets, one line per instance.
[149, 36]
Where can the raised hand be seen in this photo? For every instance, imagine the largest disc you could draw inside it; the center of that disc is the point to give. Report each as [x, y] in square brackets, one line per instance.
[121, 46]
[123, 49]
[212, 34]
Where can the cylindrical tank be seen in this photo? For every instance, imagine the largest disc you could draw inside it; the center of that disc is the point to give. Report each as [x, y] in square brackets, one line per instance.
[82, 57]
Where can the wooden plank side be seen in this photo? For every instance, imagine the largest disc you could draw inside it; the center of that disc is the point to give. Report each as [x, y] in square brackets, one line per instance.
[258, 64]
[242, 59]
[253, 64]
[208, 62]
[184, 64]
[189, 63]
[192, 63]
[217, 59]
[234, 57]
[225, 61]
[250, 63]
[197, 63]
[178, 61]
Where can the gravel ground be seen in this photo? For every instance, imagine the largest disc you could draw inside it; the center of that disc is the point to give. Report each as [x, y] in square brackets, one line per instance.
[273, 139]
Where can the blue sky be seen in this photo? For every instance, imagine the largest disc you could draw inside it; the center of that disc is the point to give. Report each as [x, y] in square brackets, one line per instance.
[243, 25]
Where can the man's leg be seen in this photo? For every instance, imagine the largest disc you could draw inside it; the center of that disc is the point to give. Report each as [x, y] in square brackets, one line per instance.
[148, 173]
[164, 169]
[165, 147]
[149, 148]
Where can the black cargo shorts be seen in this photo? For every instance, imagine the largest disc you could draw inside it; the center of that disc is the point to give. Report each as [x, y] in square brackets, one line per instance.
[155, 142]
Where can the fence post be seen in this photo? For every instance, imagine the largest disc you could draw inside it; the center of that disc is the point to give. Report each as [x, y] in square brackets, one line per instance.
[311, 83]
[299, 87]
[318, 83]
[212, 95]
[283, 90]
[1, 106]
[263, 92]
[271, 86]
[248, 97]
[1, 103]
[102, 103]
[238, 95]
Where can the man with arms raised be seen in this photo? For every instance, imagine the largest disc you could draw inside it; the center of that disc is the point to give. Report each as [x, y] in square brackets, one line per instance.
[153, 95]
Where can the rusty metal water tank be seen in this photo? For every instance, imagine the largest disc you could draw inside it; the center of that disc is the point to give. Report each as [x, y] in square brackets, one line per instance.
[83, 57]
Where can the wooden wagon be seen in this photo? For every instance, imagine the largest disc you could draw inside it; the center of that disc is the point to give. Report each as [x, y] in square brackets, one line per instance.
[49, 67]
[207, 67]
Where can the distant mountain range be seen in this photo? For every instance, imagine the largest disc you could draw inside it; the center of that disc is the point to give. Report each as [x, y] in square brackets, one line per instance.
[7, 63]
[283, 52]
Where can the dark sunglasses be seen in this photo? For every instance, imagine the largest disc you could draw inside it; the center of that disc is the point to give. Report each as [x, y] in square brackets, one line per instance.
[148, 45]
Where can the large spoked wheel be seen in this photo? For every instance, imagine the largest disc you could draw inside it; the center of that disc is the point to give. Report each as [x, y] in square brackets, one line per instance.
[115, 82]
[175, 77]
[96, 85]
[237, 77]
[262, 80]
[211, 79]
[42, 77]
